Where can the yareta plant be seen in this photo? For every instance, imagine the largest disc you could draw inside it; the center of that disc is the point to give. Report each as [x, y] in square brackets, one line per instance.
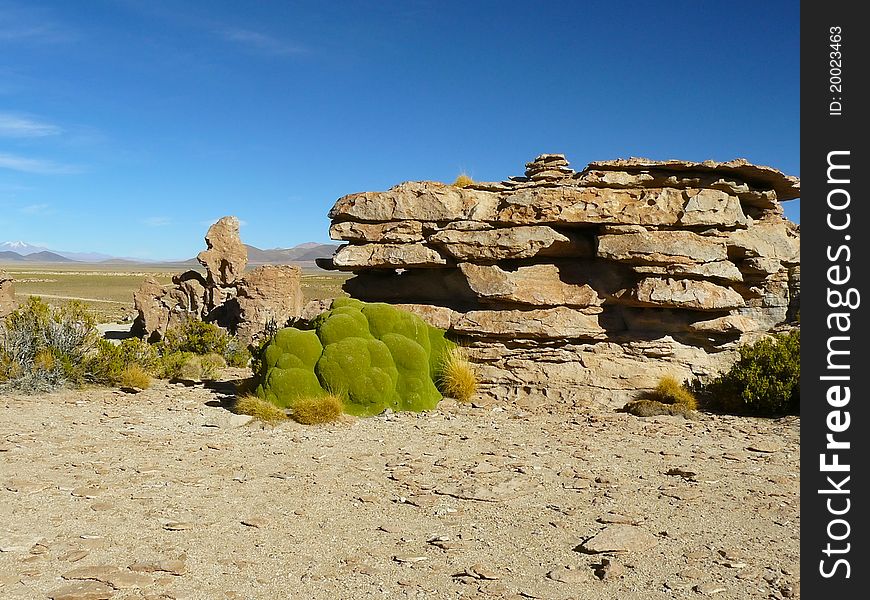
[375, 356]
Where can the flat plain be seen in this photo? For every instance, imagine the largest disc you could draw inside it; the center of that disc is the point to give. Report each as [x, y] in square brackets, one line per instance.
[108, 289]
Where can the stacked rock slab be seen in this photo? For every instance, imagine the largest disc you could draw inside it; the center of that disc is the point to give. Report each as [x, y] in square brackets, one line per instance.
[583, 286]
[246, 305]
[7, 295]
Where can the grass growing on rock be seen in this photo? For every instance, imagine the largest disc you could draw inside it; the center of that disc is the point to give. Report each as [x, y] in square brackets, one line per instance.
[457, 378]
[670, 391]
[463, 181]
[248, 404]
[317, 410]
[670, 397]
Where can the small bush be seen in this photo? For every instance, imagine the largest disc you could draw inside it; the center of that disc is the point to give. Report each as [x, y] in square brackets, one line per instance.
[249, 404]
[197, 337]
[316, 410]
[457, 378]
[236, 355]
[764, 381]
[172, 365]
[42, 348]
[111, 361]
[670, 391]
[135, 376]
[463, 181]
[210, 366]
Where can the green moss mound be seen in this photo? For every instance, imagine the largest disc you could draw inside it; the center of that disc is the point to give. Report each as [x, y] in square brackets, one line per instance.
[374, 356]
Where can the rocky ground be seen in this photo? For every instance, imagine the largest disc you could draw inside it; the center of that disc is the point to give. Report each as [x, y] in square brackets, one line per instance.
[166, 494]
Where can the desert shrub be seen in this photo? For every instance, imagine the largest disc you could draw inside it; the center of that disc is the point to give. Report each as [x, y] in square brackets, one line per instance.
[210, 366]
[172, 365]
[135, 376]
[670, 391]
[42, 348]
[248, 404]
[111, 361]
[378, 356]
[318, 409]
[456, 376]
[764, 381]
[237, 355]
[463, 180]
[197, 337]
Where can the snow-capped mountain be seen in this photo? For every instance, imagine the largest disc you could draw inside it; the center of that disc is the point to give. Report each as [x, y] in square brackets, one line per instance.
[22, 248]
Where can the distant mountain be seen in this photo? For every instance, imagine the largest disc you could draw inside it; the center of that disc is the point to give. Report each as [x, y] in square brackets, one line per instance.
[42, 256]
[24, 252]
[306, 252]
[21, 248]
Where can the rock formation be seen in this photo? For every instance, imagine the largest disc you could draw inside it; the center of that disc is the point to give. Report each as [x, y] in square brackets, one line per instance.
[579, 286]
[7, 295]
[243, 304]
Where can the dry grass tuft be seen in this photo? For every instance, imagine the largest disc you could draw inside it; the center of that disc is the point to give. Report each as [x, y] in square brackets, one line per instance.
[463, 181]
[135, 376]
[457, 378]
[671, 391]
[258, 408]
[322, 409]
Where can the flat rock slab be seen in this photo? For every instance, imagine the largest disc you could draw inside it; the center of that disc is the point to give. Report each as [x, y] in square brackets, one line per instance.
[619, 538]
[18, 542]
[500, 492]
[83, 590]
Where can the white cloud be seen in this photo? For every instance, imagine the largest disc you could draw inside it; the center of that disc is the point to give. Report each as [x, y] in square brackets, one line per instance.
[36, 166]
[16, 126]
[260, 42]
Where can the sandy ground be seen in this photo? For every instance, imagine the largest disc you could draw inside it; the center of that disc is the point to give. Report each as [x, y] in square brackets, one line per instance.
[166, 494]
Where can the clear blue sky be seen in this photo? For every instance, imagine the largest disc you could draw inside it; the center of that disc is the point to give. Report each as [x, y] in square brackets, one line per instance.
[127, 125]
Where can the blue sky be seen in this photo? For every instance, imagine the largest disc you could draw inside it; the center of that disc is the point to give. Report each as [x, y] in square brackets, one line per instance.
[126, 126]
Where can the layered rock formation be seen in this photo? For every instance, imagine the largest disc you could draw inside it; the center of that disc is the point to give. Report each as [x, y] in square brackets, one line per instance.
[243, 304]
[577, 286]
[7, 295]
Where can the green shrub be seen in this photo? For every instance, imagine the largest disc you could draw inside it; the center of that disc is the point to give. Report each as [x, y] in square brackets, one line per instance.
[764, 381]
[377, 355]
[110, 362]
[237, 355]
[172, 365]
[42, 348]
[197, 337]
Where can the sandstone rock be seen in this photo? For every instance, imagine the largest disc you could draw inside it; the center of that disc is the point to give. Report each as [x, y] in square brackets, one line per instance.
[226, 256]
[393, 256]
[399, 232]
[535, 285]
[423, 201]
[551, 323]
[661, 247]
[445, 287]
[786, 187]
[719, 269]
[154, 313]
[511, 243]
[268, 294]
[686, 293]
[436, 316]
[712, 207]
[770, 240]
[7, 295]
[573, 205]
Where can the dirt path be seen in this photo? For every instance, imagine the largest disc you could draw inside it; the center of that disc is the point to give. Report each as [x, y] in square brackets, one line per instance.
[460, 502]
